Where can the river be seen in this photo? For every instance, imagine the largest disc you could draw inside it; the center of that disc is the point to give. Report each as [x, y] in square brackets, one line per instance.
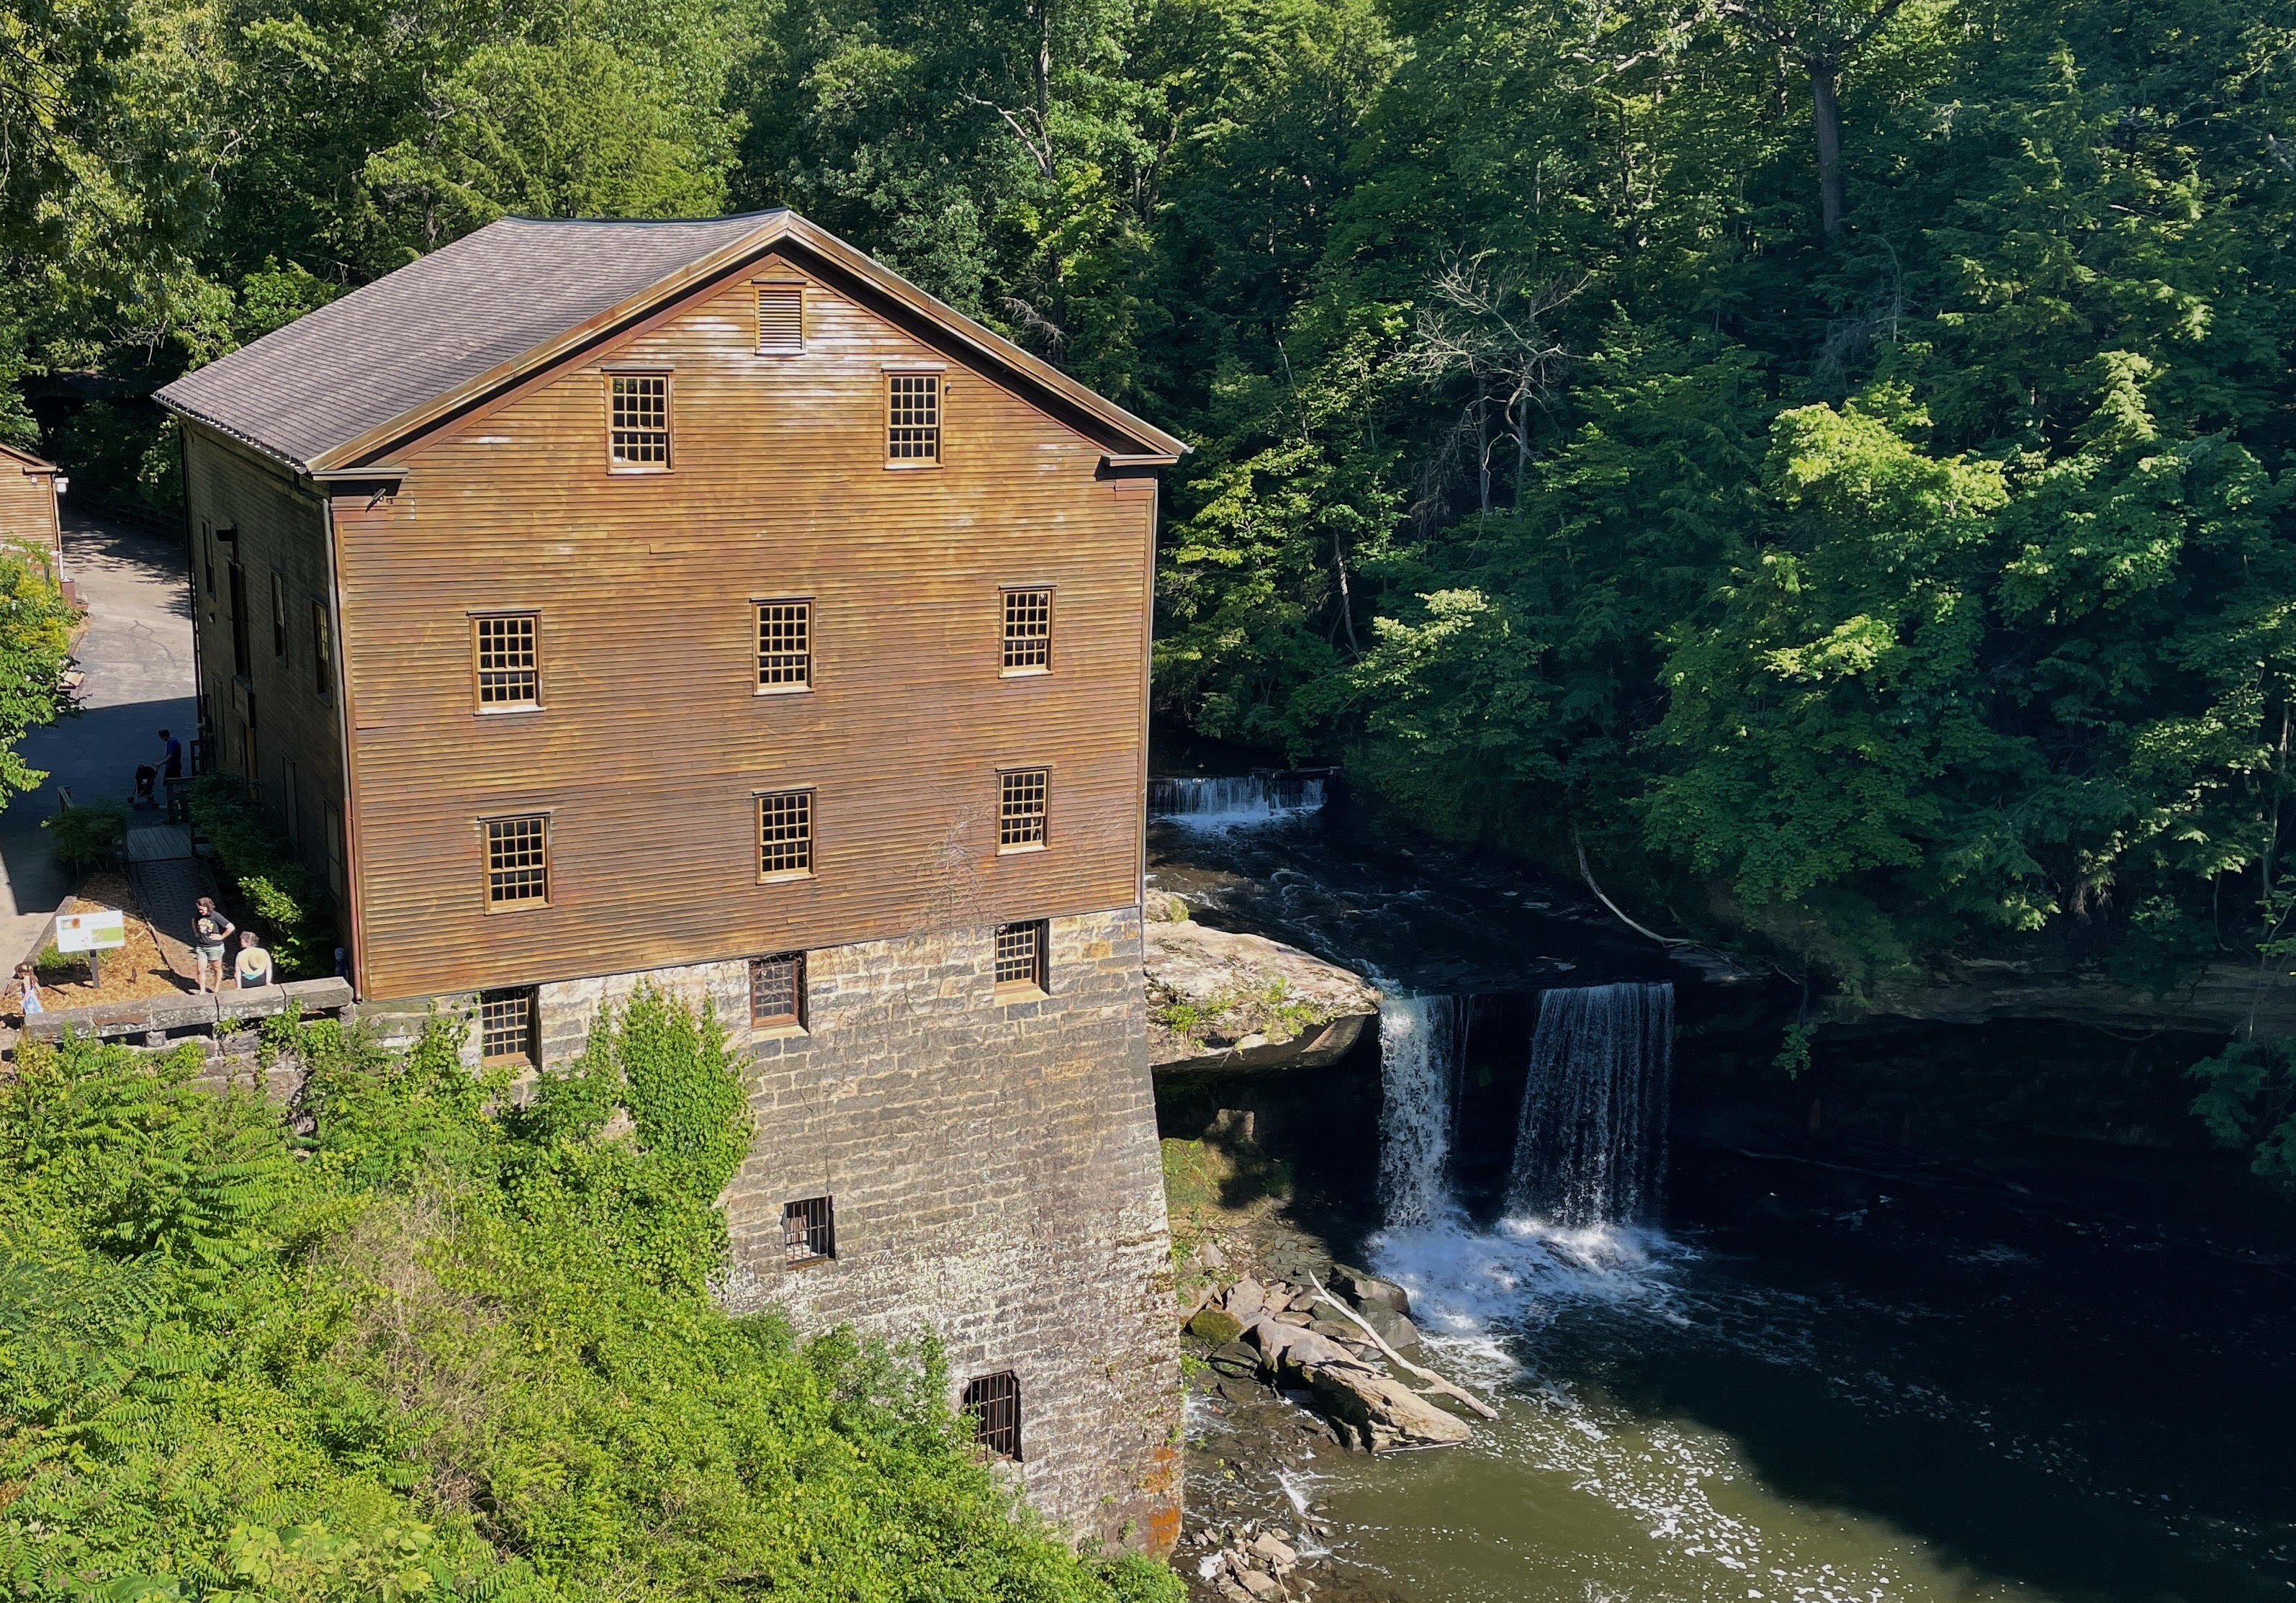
[1746, 1373]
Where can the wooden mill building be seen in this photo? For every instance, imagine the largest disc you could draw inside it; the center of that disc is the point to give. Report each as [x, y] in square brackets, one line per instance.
[699, 602]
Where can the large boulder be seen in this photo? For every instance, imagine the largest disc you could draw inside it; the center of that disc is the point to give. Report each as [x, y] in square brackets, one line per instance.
[1223, 998]
[1215, 1326]
[1366, 1290]
[1373, 1410]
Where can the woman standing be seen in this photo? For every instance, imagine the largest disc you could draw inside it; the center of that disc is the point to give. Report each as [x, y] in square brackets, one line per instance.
[212, 930]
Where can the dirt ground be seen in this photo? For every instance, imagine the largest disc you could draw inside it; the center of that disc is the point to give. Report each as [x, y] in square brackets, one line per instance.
[130, 972]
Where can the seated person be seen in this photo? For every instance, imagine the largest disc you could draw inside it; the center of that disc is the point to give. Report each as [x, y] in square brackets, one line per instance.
[253, 967]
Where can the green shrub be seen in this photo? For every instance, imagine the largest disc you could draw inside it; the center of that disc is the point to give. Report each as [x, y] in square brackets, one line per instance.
[273, 890]
[88, 838]
[449, 1354]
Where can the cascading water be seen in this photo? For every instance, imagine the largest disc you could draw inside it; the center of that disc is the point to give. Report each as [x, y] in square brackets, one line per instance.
[1420, 1039]
[1233, 798]
[1590, 1147]
[1605, 1048]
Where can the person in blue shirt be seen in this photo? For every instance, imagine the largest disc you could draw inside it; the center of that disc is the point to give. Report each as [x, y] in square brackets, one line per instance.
[172, 765]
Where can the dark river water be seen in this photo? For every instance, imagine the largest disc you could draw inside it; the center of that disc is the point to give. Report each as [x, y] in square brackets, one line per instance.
[1786, 1384]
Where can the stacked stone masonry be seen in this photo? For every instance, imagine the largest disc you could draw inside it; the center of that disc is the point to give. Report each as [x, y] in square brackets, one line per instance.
[994, 1169]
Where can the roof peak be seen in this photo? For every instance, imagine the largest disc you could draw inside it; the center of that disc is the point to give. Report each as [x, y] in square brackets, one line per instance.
[347, 379]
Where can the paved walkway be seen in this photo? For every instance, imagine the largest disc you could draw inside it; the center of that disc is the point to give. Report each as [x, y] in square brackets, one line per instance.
[138, 652]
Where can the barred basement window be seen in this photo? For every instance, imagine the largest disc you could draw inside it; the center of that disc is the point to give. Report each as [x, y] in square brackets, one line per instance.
[507, 651]
[1021, 810]
[777, 990]
[639, 419]
[912, 418]
[993, 1401]
[517, 861]
[784, 833]
[506, 1025]
[809, 1230]
[785, 645]
[1020, 957]
[1027, 631]
[781, 319]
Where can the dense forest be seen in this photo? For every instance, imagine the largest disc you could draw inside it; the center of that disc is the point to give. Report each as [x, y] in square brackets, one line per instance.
[1828, 460]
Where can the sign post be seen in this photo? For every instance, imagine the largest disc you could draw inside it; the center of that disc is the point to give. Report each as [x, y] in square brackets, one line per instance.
[95, 932]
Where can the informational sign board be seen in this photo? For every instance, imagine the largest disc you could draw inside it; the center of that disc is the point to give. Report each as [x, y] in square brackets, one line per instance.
[98, 931]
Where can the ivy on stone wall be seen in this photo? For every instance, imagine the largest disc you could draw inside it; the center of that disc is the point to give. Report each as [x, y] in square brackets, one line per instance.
[402, 1343]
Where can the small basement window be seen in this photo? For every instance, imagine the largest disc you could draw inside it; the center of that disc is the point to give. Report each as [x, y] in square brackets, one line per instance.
[778, 991]
[505, 652]
[781, 319]
[912, 419]
[1020, 808]
[785, 645]
[638, 419]
[1027, 631]
[809, 1230]
[994, 1402]
[506, 1025]
[518, 869]
[1020, 957]
[784, 833]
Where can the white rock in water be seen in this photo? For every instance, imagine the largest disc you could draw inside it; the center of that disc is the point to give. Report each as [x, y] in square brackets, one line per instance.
[1277, 1553]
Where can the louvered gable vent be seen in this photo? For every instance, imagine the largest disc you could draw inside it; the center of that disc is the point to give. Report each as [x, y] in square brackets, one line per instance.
[781, 319]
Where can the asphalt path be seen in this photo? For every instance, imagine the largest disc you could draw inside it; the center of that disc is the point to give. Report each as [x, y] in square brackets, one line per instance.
[138, 656]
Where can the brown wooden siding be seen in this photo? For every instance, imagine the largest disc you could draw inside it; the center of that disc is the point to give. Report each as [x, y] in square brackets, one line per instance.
[282, 530]
[652, 742]
[28, 509]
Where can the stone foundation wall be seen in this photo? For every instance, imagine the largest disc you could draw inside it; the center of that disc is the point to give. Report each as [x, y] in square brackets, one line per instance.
[995, 1176]
[994, 1169]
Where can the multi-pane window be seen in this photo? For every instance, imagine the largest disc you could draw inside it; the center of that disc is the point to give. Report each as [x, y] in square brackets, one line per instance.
[994, 1402]
[785, 645]
[781, 319]
[785, 833]
[1021, 955]
[506, 652]
[322, 649]
[913, 417]
[506, 1025]
[278, 616]
[517, 868]
[809, 1230]
[777, 990]
[1020, 808]
[639, 422]
[1027, 631]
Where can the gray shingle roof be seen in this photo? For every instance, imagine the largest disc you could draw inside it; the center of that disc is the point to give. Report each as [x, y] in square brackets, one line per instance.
[438, 323]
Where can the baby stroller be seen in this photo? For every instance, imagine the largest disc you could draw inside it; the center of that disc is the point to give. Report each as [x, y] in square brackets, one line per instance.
[147, 780]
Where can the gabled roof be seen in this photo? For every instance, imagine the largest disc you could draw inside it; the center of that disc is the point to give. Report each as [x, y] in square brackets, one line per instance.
[342, 385]
[30, 464]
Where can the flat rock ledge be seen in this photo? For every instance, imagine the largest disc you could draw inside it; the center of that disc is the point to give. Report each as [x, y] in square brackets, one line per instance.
[1217, 998]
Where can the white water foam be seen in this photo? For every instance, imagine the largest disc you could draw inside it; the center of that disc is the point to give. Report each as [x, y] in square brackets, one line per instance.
[1229, 802]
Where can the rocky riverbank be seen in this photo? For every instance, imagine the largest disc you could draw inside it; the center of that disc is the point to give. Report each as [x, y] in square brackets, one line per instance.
[1223, 998]
[1295, 1362]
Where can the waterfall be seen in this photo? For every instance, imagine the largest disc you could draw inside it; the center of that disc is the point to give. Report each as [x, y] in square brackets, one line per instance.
[1421, 1038]
[1590, 1149]
[1233, 798]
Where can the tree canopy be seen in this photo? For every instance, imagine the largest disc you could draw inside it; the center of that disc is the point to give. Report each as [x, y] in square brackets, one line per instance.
[1829, 456]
